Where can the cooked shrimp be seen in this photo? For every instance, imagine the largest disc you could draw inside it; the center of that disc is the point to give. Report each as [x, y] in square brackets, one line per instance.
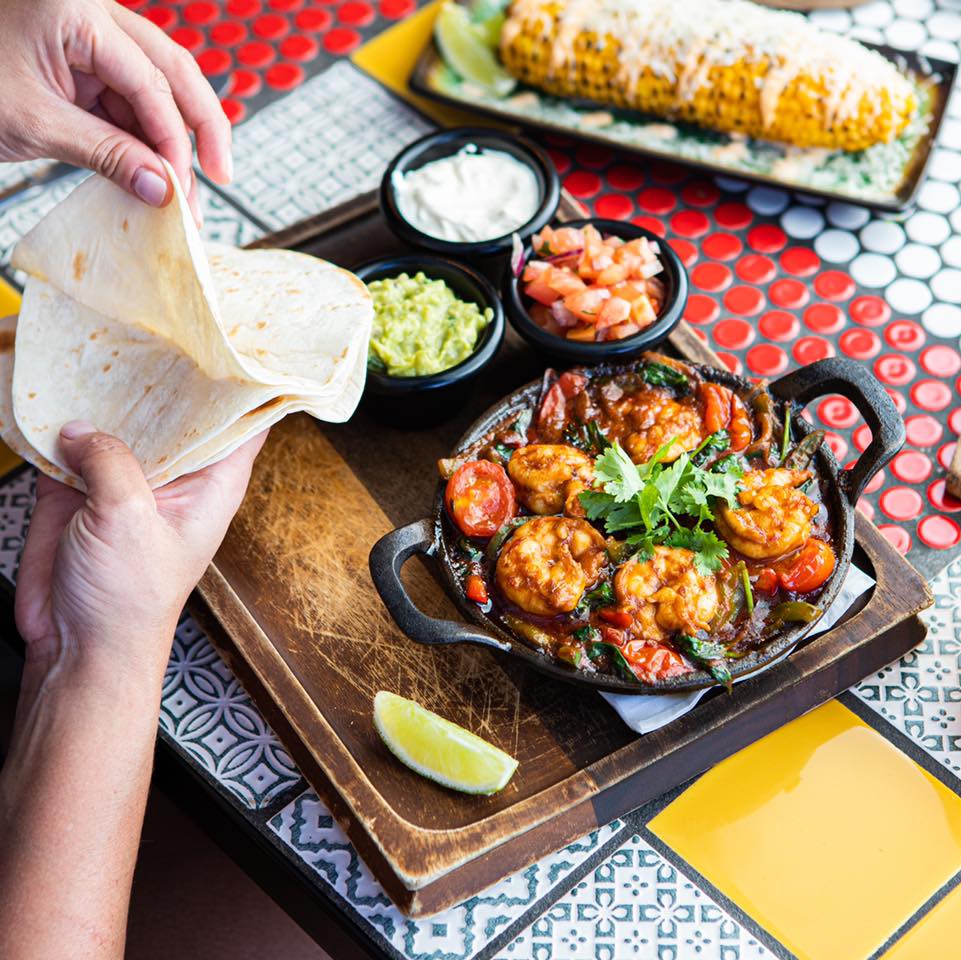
[666, 595]
[773, 517]
[548, 563]
[549, 476]
[655, 419]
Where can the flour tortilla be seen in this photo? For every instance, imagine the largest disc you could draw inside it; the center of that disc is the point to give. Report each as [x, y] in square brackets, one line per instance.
[183, 352]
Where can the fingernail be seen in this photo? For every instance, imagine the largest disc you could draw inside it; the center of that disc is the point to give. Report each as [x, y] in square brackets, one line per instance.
[150, 187]
[76, 429]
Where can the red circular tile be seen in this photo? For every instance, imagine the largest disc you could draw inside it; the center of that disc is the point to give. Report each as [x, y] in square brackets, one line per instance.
[939, 533]
[746, 301]
[701, 193]
[201, 13]
[865, 507]
[941, 360]
[946, 455]
[256, 54]
[875, 483]
[685, 250]
[314, 19]
[624, 177]
[954, 420]
[284, 76]
[788, 293]
[779, 325]
[838, 412]
[356, 13]
[733, 216]
[904, 335]
[163, 17]
[767, 238]
[614, 206]
[766, 360]
[649, 223]
[898, 537]
[894, 370]
[801, 261]
[811, 349]
[934, 395]
[561, 161]
[860, 344]
[243, 8]
[923, 430]
[837, 443]
[862, 437]
[190, 38]
[271, 26]
[712, 277]
[940, 499]
[734, 334]
[593, 155]
[834, 285]
[299, 47]
[668, 173]
[582, 183]
[228, 34]
[397, 9]
[871, 311]
[234, 109]
[690, 223]
[730, 361]
[214, 62]
[700, 334]
[901, 503]
[656, 200]
[756, 268]
[701, 309]
[911, 466]
[245, 83]
[824, 318]
[721, 246]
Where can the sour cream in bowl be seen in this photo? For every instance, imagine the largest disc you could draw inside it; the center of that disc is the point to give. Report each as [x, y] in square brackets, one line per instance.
[468, 191]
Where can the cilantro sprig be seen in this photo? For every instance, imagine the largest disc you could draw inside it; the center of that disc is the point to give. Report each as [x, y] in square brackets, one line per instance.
[658, 503]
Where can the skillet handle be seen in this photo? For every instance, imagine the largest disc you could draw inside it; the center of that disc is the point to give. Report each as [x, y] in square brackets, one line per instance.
[387, 558]
[860, 386]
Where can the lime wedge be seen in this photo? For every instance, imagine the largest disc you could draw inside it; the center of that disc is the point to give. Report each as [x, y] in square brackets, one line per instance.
[438, 749]
[464, 46]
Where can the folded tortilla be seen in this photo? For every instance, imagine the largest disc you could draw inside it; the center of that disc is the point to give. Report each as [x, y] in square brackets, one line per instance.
[182, 351]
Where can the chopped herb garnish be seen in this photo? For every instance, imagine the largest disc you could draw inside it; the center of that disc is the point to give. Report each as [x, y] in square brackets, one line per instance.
[470, 551]
[503, 451]
[597, 650]
[586, 634]
[714, 444]
[708, 655]
[587, 437]
[661, 375]
[786, 436]
[603, 596]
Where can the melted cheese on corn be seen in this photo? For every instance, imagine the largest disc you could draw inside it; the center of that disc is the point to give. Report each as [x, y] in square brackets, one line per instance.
[682, 40]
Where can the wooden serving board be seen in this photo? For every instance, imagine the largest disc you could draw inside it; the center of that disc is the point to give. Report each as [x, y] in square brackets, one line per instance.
[289, 603]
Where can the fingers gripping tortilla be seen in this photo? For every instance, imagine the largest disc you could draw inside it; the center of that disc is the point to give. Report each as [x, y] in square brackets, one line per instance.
[127, 321]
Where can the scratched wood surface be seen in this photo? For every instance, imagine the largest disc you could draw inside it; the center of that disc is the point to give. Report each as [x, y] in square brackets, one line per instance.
[290, 604]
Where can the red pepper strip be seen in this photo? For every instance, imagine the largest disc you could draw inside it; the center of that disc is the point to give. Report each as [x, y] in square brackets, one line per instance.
[767, 581]
[619, 618]
[476, 589]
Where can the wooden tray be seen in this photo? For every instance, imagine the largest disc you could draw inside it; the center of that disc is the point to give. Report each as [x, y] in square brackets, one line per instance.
[289, 603]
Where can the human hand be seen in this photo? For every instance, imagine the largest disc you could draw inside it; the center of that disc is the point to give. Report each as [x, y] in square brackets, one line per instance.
[92, 83]
[104, 576]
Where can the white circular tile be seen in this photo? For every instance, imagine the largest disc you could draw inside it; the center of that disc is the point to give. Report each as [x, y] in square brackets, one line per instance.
[802, 222]
[810, 201]
[950, 135]
[943, 320]
[905, 34]
[867, 34]
[847, 215]
[873, 270]
[951, 252]
[929, 228]
[918, 260]
[945, 165]
[837, 246]
[767, 201]
[955, 221]
[939, 197]
[731, 184]
[947, 286]
[942, 49]
[837, 20]
[944, 25]
[913, 9]
[882, 236]
[877, 14]
[908, 296]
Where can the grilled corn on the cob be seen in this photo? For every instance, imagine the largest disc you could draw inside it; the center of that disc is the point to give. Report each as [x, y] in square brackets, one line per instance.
[728, 65]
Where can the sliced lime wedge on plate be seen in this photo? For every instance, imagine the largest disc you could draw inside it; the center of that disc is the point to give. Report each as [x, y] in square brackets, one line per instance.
[466, 47]
[438, 749]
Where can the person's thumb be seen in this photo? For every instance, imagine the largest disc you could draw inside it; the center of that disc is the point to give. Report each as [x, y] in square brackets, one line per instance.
[86, 140]
[109, 469]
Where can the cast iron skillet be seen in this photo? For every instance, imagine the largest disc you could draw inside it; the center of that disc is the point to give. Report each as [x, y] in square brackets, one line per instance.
[436, 535]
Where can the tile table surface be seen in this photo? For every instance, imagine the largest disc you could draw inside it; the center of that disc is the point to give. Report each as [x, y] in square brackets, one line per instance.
[778, 280]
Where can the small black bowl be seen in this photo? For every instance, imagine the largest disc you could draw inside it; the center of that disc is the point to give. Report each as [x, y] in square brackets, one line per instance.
[446, 143]
[673, 276]
[417, 401]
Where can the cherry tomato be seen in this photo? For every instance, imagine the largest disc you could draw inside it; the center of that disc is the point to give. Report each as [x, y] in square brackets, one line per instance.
[766, 581]
[480, 498]
[476, 589]
[553, 410]
[652, 661]
[809, 568]
[619, 618]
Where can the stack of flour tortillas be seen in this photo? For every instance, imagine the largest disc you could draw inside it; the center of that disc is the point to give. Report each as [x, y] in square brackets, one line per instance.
[183, 351]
